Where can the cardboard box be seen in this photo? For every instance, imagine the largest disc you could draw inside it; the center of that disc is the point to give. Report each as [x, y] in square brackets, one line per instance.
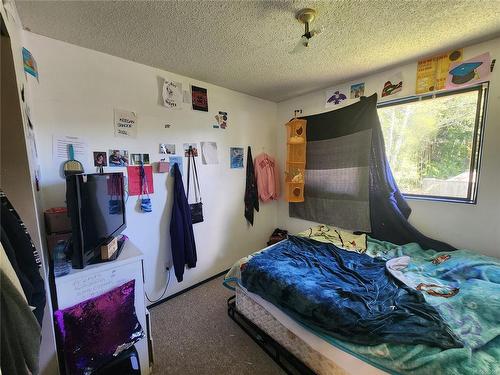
[57, 220]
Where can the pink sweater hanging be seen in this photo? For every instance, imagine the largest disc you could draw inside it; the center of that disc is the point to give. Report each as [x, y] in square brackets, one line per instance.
[268, 178]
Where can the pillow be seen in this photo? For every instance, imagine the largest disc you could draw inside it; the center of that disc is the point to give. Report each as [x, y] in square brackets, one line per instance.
[344, 239]
[352, 242]
[94, 331]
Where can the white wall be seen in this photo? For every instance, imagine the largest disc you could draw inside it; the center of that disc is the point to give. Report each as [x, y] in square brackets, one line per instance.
[77, 92]
[467, 226]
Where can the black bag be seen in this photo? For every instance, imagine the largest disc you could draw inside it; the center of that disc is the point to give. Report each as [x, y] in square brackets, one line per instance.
[197, 207]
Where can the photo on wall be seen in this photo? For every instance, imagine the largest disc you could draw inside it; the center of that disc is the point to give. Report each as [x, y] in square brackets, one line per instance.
[357, 90]
[194, 146]
[138, 159]
[167, 148]
[100, 159]
[236, 157]
[175, 160]
[118, 158]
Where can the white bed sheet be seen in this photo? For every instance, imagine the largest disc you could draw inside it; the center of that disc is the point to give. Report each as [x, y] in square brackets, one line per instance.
[346, 361]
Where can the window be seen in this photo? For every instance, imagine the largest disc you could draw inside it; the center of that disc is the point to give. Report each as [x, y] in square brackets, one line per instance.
[433, 143]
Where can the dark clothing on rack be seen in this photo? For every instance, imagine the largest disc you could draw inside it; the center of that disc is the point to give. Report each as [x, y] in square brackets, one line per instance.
[251, 193]
[20, 332]
[21, 253]
[181, 229]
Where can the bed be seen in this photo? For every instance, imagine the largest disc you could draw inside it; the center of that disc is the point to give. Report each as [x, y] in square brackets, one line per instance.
[461, 286]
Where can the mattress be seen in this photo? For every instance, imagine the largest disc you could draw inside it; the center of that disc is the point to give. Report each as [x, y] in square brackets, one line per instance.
[319, 355]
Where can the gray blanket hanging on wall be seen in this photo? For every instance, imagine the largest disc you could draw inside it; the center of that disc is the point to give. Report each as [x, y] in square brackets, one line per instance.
[337, 174]
[348, 180]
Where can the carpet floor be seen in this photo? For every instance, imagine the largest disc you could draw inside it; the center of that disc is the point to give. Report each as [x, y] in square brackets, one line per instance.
[192, 334]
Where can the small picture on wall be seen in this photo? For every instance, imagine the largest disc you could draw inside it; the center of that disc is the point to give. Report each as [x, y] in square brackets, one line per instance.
[138, 159]
[167, 148]
[222, 119]
[357, 90]
[100, 159]
[199, 98]
[236, 157]
[175, 160]
[194, 146]
[118, 158]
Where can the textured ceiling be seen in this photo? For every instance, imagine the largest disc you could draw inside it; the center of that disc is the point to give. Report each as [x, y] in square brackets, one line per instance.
[245, 45]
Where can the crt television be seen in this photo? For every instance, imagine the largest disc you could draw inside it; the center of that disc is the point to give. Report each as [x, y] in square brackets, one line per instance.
[96, 208]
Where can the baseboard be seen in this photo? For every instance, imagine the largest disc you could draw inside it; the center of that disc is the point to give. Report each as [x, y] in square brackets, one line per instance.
[187, 289]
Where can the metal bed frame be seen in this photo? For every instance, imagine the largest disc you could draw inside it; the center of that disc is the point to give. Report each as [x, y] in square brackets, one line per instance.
[286, 360]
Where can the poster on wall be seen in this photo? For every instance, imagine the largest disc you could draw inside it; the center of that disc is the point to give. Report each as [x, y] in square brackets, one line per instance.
[167, 148]
[175, 160]
[393, 85]
[125, 123]
[236, 157]
[432, 72]
[193, 146]
[138, 159]
[118, 158]
[357, 90]
[209, 153]
[60, 147]
[334, 97]
[469, 72]
[200, 98]
[29, 63]
[100, 159]
[172, 94]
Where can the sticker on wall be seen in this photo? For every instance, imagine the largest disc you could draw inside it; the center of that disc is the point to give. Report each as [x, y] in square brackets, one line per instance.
[236, 157]
[222, 119]
[194, 147]
[100, 159]
[125, 123]
[432, 72]
[175, 160]
[357, 90]
[334, 97]
[172, 94]
[29, 63]
[60, 147]
[393, 85]
[138, 159]
[469, 72]
[167, 148]
[199, 97]
[209, 153]
[118, 158]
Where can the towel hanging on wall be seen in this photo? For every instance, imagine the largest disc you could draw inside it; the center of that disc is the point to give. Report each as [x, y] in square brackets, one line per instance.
[251, 193]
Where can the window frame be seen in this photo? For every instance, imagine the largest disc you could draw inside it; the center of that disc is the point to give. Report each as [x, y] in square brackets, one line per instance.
[477, 140]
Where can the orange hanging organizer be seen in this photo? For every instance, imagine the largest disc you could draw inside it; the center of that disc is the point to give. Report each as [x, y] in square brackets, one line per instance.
[296, 160]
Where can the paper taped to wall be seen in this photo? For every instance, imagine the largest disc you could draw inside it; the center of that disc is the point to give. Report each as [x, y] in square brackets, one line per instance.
[60, 147]
[172, 94]
[125, 123]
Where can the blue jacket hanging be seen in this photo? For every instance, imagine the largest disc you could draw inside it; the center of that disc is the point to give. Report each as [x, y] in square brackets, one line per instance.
[181, 229]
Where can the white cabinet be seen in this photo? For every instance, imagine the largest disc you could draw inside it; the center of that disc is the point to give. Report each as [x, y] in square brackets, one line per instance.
[96, 279]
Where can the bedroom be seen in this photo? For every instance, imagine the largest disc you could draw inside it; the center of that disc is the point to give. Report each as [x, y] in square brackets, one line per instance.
[131, 85]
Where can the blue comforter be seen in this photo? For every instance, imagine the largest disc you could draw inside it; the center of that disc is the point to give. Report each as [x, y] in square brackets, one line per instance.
[344, 294]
